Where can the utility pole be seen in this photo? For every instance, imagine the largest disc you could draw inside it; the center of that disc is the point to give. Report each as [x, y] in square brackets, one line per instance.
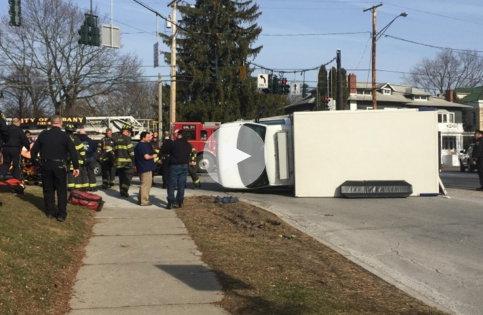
[339, 101]
[374, 34]
[160, 105]
[172, 116]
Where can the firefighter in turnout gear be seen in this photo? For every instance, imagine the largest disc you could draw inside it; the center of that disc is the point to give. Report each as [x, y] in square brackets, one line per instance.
[81, 181]
[105, 149]
[123, 159]
[192, 169]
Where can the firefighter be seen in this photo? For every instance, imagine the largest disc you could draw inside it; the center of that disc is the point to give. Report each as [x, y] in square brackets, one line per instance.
[192, 169]
[80, 182]
[90, 149]
[105, 149]
[123, 159]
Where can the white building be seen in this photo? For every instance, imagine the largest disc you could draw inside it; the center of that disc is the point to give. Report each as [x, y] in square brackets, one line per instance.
[392, 96]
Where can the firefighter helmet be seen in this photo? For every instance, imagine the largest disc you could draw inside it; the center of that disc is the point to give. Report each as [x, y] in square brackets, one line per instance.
[127, 127]
[70, 128]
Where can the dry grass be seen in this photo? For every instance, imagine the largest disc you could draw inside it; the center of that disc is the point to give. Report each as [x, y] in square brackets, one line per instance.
[268, 267]
[39, 257]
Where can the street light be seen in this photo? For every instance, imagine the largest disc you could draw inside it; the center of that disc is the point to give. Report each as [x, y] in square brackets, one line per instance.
[384, 29]
[375, 36]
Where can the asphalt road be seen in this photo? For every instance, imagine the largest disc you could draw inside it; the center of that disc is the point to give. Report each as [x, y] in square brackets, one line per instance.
[431, 247]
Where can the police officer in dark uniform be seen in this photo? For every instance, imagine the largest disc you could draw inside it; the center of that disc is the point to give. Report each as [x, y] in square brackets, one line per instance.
[12, 147]
[55, 147]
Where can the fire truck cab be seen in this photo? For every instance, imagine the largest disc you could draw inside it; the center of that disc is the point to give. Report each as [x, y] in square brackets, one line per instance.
[199, 135]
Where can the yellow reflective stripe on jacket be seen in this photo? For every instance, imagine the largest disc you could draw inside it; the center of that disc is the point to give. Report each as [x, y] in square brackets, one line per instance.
[122, 146]
[193, 155]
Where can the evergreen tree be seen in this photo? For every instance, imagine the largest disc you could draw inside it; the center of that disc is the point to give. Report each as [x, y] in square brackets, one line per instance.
[322, 88]
[333, 86]
[215, 42]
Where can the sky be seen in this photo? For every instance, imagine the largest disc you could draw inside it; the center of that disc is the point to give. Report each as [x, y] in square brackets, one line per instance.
[298, 35]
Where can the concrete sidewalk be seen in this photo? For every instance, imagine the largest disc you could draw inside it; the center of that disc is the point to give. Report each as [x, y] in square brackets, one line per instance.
[141, 260]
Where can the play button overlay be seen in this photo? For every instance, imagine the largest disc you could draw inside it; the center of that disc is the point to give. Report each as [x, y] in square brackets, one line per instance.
[240, 154]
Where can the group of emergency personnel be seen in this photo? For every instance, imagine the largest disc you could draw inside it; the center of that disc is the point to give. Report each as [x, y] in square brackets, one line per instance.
[115, 154]
[76, 154]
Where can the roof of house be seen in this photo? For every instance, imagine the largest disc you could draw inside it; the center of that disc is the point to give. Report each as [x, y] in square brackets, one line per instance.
[403, 94]
[403, 89]
[474, 94]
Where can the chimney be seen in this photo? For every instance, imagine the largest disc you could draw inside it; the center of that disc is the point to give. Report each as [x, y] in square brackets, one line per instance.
[352, 81]
[449, 95]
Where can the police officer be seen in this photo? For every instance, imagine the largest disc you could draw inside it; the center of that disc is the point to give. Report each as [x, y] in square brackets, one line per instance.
[105, 149]
[54, 147]
[124, 159]
[16, 139]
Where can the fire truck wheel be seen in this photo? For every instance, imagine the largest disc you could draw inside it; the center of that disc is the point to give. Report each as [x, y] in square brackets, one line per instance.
[205, 163]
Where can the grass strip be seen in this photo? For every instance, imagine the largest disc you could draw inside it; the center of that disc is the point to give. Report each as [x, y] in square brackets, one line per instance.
[39, 257]
[268, 267]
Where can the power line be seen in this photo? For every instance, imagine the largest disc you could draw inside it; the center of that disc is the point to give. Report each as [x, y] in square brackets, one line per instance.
[433, 46]
[472, 21]
[316, 34]
[292, 70]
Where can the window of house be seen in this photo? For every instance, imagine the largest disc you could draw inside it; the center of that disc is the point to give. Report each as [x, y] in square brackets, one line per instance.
[420, 98]
[442, 118]
[386, 91]
[363, 92]
[451, 117]
[448, 143]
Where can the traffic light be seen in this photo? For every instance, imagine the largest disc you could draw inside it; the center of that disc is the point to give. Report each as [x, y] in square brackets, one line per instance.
[15, 12]
[284, 85]
[89, 32]
[84, 35]
[286, 90]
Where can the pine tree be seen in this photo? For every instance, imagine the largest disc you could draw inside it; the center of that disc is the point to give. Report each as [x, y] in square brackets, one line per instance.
[333, 86]
[214, 44]
[322, 88]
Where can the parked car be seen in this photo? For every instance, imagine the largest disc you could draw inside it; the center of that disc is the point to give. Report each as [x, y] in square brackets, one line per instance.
[465, 159]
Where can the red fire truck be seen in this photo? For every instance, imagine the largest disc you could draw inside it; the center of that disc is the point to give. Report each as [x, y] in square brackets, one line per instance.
[198, 135]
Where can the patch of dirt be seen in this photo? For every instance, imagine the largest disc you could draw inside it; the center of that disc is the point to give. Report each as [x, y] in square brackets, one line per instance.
[268, 267]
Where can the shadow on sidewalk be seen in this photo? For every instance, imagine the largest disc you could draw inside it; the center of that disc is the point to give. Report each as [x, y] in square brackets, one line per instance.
[195, 277]
[133, 198]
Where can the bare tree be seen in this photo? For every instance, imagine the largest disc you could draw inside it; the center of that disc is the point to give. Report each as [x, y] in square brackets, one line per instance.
[139, 100]
[46, 45]
[448, 70]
